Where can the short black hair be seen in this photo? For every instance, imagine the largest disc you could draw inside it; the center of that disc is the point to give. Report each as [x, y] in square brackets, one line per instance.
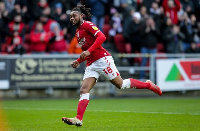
[82, 9]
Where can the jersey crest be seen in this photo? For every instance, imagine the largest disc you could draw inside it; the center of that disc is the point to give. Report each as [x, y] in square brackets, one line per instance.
[94, 27]
[82, 42]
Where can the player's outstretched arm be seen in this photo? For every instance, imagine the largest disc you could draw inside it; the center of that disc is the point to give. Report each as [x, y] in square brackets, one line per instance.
[84, 54]
[100, 38]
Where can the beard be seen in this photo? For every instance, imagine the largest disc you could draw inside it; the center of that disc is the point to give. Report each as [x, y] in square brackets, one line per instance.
[78, 22]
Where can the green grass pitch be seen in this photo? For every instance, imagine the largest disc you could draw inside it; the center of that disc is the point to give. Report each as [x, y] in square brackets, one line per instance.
[130, 114]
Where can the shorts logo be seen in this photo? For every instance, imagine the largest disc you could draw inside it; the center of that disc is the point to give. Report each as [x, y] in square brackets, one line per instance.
[94, 27]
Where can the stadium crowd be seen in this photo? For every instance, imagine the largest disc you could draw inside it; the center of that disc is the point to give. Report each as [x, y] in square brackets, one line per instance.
[131, 26]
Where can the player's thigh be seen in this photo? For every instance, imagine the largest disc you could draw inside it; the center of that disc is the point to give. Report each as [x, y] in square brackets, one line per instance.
[91, 72]
[88, 84]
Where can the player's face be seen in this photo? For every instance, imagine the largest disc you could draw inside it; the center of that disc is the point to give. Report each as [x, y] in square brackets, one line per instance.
[75, 18]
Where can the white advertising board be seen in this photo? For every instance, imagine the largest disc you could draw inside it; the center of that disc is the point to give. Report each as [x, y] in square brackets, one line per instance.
[4, 82]
[178, 74]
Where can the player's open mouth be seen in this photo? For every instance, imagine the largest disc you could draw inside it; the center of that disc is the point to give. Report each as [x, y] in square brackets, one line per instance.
[73, 22]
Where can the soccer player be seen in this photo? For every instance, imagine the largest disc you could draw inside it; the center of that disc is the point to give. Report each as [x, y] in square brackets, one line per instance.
[99, 62]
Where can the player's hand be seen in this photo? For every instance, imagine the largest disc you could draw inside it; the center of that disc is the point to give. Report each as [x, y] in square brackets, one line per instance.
[75, 64]
[84, 54]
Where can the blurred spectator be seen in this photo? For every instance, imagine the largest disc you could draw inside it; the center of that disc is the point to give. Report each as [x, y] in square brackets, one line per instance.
[171, 7]
[43, 4]
[173, 39]
[167, 23]
[34, 11]
[188, 6]
[127, 16]
[185, 13]
[145, 3]
[44, 7]
[165, 26]
[115, 4]
[144, 14]
[159, 2]
[98, 11]
[9, 4]
[15, 33]
[150, 35]
[74, 47]
[67, 5]
[47, 23]
[39, 39]
[155, 9]
[197, 9]
[195, 29]
[2, 23]
[60, 16]
[126, 10]
[193, 48]
[132, 32]
[47, 11]
[198, 30]
[57, 43]
[157, 13]
[186, 29]
[17, 10]
[16, 46]
[116, 24]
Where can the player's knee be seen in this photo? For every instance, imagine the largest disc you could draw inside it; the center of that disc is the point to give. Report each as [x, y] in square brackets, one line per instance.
[119, 85]
[117, 82]
[84, 90]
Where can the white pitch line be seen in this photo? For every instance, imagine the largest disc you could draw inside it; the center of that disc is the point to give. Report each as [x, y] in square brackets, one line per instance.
[145, 112]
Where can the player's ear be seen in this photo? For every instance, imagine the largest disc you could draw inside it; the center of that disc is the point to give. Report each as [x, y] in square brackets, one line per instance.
[83, 16]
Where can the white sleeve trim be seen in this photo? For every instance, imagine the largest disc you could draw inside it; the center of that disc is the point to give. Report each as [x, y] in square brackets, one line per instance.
[96, 32]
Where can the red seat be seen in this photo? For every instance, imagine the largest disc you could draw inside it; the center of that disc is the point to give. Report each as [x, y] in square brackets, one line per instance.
[3, 53]
[198, 45]
[106, 19]
[120, 43]
[160, 47]
[138, 59]
[3, 47]
[27, 38]
[128, 48]
[106, 28]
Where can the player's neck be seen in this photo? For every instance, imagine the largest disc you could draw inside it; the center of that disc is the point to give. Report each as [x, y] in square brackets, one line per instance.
[81, 22]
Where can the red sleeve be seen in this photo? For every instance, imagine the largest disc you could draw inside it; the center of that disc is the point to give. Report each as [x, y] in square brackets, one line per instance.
[100, 38]
[164, 4]
[46, 38]
[79, 60]
[35, 37]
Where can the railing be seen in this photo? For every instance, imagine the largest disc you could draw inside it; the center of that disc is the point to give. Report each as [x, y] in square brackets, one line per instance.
[151, 68]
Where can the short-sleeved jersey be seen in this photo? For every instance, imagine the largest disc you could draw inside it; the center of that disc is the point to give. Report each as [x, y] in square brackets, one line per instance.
[86, 36]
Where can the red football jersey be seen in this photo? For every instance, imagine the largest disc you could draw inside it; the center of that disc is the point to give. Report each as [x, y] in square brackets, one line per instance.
[86, 36]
